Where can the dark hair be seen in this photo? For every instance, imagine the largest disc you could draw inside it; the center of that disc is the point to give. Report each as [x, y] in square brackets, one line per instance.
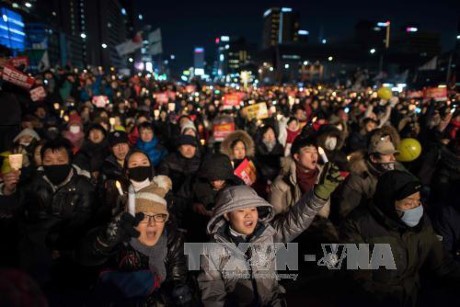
[55, 145]
[301, 142]
[291, 119]
[233, 144]
[128, 156]
[145, 125]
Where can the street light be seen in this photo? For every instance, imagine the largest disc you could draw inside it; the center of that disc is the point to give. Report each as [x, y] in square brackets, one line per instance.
[458, 36]
[104, 45]
[27, 4]
[372, 51]
[330, 59]
[130, 60]
[83, 35]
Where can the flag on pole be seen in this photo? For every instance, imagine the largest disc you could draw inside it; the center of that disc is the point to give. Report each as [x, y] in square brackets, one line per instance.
[130, 45]
[430, 65]
[155, 36]
[156, 49]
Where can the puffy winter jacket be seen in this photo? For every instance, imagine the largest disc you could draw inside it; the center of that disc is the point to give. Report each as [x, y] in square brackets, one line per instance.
[285, 191]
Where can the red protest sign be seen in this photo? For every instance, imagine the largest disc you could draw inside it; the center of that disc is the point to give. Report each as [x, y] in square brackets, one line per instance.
[38, 93]
[232, 100]
[162, 97]
[14, 76]
[220, 131]
[247, 172]
[190, 88]
[437, 93]
[18, 61]
[100, 101]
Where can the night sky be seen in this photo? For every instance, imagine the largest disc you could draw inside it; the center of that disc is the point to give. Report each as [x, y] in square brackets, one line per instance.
[186, 24]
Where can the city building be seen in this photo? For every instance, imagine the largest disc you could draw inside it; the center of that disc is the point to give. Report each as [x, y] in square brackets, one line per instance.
[281, 26]
[73, 32]
[198, 61]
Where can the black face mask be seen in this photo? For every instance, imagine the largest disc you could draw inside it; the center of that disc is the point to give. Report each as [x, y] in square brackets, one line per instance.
[57, 173]
[140, 173]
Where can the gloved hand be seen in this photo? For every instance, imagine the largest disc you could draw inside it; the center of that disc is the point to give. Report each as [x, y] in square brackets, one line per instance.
[120, 230]
[329, 181]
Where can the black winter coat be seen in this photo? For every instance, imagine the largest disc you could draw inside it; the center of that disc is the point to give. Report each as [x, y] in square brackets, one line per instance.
[269, 163]
[127, 259]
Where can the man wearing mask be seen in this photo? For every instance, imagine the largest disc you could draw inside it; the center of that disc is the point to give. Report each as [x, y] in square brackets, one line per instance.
[396, 218]
[53, 211]
[359, 187]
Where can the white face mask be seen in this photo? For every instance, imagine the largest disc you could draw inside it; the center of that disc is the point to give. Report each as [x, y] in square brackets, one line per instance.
[74, 129]
[25, 144]
[138, 185]
[330, 143]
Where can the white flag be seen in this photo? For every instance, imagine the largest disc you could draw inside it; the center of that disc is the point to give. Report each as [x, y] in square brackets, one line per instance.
[129, 46]
[156, 49]
[155, 36]
[430, 65]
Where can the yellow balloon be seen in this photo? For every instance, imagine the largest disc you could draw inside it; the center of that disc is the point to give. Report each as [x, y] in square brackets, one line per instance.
[384, 93]
[409, 150]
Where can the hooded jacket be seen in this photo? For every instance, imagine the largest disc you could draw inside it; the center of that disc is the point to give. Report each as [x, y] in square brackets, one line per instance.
[359, 186]
[255, 280]
[238, 135]
[285, 191]
[153, 149]
[411, 247]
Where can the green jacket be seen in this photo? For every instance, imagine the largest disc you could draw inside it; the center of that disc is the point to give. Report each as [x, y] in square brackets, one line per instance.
[413, 249]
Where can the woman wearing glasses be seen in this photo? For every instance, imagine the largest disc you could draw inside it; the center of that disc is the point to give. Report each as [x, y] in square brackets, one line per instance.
[143, 255]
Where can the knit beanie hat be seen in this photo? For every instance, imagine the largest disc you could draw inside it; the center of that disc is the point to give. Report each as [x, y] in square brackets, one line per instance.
[152, 197]
[187, 125]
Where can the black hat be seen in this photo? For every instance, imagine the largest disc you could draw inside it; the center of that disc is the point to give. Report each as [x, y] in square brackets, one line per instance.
[301, 142]
[187, 140]
[392, 186]
[118, 137]
[96, 127]
[217, 167]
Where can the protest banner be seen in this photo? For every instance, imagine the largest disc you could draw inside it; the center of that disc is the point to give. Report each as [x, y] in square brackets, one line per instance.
[246, 171]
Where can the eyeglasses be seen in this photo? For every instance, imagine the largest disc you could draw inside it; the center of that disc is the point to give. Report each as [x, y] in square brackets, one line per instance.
[157, 218]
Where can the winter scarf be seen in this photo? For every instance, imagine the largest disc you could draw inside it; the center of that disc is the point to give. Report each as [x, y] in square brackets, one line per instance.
[156, 254]
[306, 180]
[291, 135]
[455, 126]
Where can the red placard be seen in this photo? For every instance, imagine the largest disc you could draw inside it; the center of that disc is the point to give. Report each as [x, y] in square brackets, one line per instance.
[100, 101]
[38, 93]
[220, 131]
[437, 93]
[232, 100]
[18, 61]
[162, 98]
[14, 76]
[247, 172]
[190, 88]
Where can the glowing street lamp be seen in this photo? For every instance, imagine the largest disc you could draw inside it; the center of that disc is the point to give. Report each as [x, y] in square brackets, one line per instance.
[372, 51]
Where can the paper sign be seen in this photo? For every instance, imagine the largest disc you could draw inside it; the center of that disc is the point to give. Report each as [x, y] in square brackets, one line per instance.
[190, 88]
[232, 100]
[38, 93]
[18, 61]
[257, 111]
[15, 161]
[437, 93]
[100, 101]
[246, 171]
[162, 97]
[221, 131]
[14, 76]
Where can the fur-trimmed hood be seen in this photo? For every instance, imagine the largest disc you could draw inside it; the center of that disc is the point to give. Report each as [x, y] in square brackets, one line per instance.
[330, 131]
[238, 135]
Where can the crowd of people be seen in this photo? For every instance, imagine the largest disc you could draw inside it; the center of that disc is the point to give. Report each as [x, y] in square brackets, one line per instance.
[119, 172]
